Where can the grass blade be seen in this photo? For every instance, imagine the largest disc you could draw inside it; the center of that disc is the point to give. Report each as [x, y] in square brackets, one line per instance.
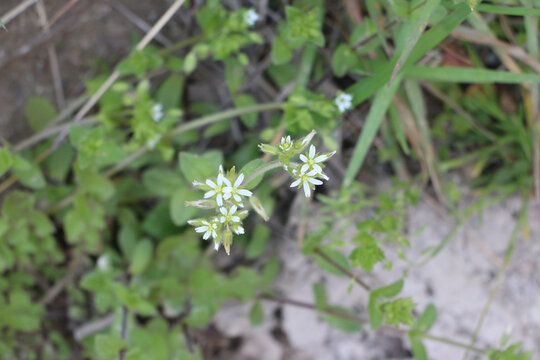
[374, 119]
[413, 31]
[468, 75]
[508, 10]
[431, 38]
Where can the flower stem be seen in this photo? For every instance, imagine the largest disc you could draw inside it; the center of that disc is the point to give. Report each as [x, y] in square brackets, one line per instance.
[452, 342]
[263, 169]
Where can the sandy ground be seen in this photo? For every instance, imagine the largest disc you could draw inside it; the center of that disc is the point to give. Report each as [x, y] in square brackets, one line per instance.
[458, 281]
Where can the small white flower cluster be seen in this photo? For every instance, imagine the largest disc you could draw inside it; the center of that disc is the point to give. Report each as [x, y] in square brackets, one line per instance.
[225, 192]
[343, 102]
[309, 173]
[251, 17]
[311, 170]
[157, 112]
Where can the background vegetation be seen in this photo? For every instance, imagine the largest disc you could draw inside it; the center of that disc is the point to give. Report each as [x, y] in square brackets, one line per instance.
[96, 254]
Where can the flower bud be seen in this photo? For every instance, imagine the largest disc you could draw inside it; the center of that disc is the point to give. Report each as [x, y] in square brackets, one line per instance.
[202, 204]
[227, 240]
[269, 149]
[257, 206]
[302, 144]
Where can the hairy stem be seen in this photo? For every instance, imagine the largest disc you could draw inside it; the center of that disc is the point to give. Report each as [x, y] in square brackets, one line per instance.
[339, 267]
[262, 170]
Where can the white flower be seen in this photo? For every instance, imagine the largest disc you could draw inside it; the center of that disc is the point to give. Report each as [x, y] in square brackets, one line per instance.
[157, 112]
[343, 102]
[235, 191]
[251, 17]
[306, 179]
[286, 144]
[312, 161]
[208, 229]
[103, 262]
[228, 215]
[217, 189]
[151, 143]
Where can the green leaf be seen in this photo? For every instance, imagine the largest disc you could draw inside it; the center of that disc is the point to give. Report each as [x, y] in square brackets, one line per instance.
[281, 52]
[368, 254]
[170, 92]
[382, 101]
[6, 160]
[512, 352]
[29, 173]
[59, 162]
[341, 323]
[162, 182]
[418, 349]
[248, 169]
[427, 319]
[39, 113]
[270, 271]
[258, 241]
[108, 346]
[157, 221]
[235, 74]
[138, 63]
[469, 75]
[244, 100]
[180, 213]
[256, 315]
[376, 314]
[200, 167]
[398, 312]
[343, 59]
[337, 257]
[96, 184]
[412, 31]
[190, 63]
[133, 300]
[141, 257]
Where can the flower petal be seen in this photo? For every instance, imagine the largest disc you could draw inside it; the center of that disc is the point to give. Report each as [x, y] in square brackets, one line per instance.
[209, 194]
[317, 168]
[207, 235]
[232, 210]
[211, 183]
[312, 151]
[315, 181]
[304, 168]
[239, 230]
[223, 210]
[303, 158]
[245, 192]
[311, 173]
[237, 198]
[321, 158]
[239, 180]
[226, 181]
[222, 219]
[235, 219]
[219, 199]
[227, 189]
[216, 246]
[307, 190]
[200, 229]
[214, 234]
[220, 178]
[296, 183]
